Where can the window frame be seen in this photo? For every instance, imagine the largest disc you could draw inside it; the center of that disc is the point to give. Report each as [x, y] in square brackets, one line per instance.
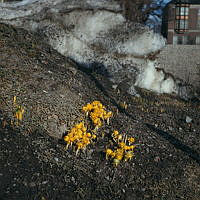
[181, 18]
[198, 20]
[197, 40]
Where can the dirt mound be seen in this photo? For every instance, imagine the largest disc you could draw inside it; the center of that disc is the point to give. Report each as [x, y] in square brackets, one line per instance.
[52, 90]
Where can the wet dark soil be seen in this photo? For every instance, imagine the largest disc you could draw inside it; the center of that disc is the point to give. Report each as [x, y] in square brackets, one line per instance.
[33, 161]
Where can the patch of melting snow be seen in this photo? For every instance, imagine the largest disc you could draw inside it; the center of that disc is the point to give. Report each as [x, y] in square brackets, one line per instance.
[155, 79]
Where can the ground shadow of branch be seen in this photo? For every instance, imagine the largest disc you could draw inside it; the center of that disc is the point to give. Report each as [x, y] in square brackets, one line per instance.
[99, 85]
[176, 143]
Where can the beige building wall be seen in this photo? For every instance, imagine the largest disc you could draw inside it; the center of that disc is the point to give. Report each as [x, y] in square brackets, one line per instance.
[183, 61]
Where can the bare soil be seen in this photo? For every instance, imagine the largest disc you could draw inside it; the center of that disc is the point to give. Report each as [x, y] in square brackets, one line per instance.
[33, 161]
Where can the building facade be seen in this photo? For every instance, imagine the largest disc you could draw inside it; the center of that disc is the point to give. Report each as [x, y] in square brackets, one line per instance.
[181, 22]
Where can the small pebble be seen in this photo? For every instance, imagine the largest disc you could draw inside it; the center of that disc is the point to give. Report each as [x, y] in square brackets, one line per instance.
[114, 87]
[157, 159]
[143, 189]
[107, 178]
[32, 184]
[44, 182]
[170, 128]
[188, 119]
[73, 179]
[56, 159]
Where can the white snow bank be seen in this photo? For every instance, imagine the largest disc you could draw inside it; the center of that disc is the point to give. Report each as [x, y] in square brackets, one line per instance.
[25, 2]
[10, 14]
[95, 36]
[156, 80]
[143, 44]
[95, 24]
[20, 3]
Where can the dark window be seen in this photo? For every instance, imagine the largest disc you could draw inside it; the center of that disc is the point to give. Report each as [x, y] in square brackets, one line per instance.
[191, 40]
[177, 39]
[180, 40]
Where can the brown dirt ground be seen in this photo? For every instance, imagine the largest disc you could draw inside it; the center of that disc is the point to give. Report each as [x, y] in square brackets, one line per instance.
[34, 162]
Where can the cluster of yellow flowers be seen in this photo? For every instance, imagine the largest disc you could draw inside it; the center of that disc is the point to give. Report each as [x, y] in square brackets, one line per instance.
[79, 136]
[97, 113]
[123, 151]
[18, 114]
